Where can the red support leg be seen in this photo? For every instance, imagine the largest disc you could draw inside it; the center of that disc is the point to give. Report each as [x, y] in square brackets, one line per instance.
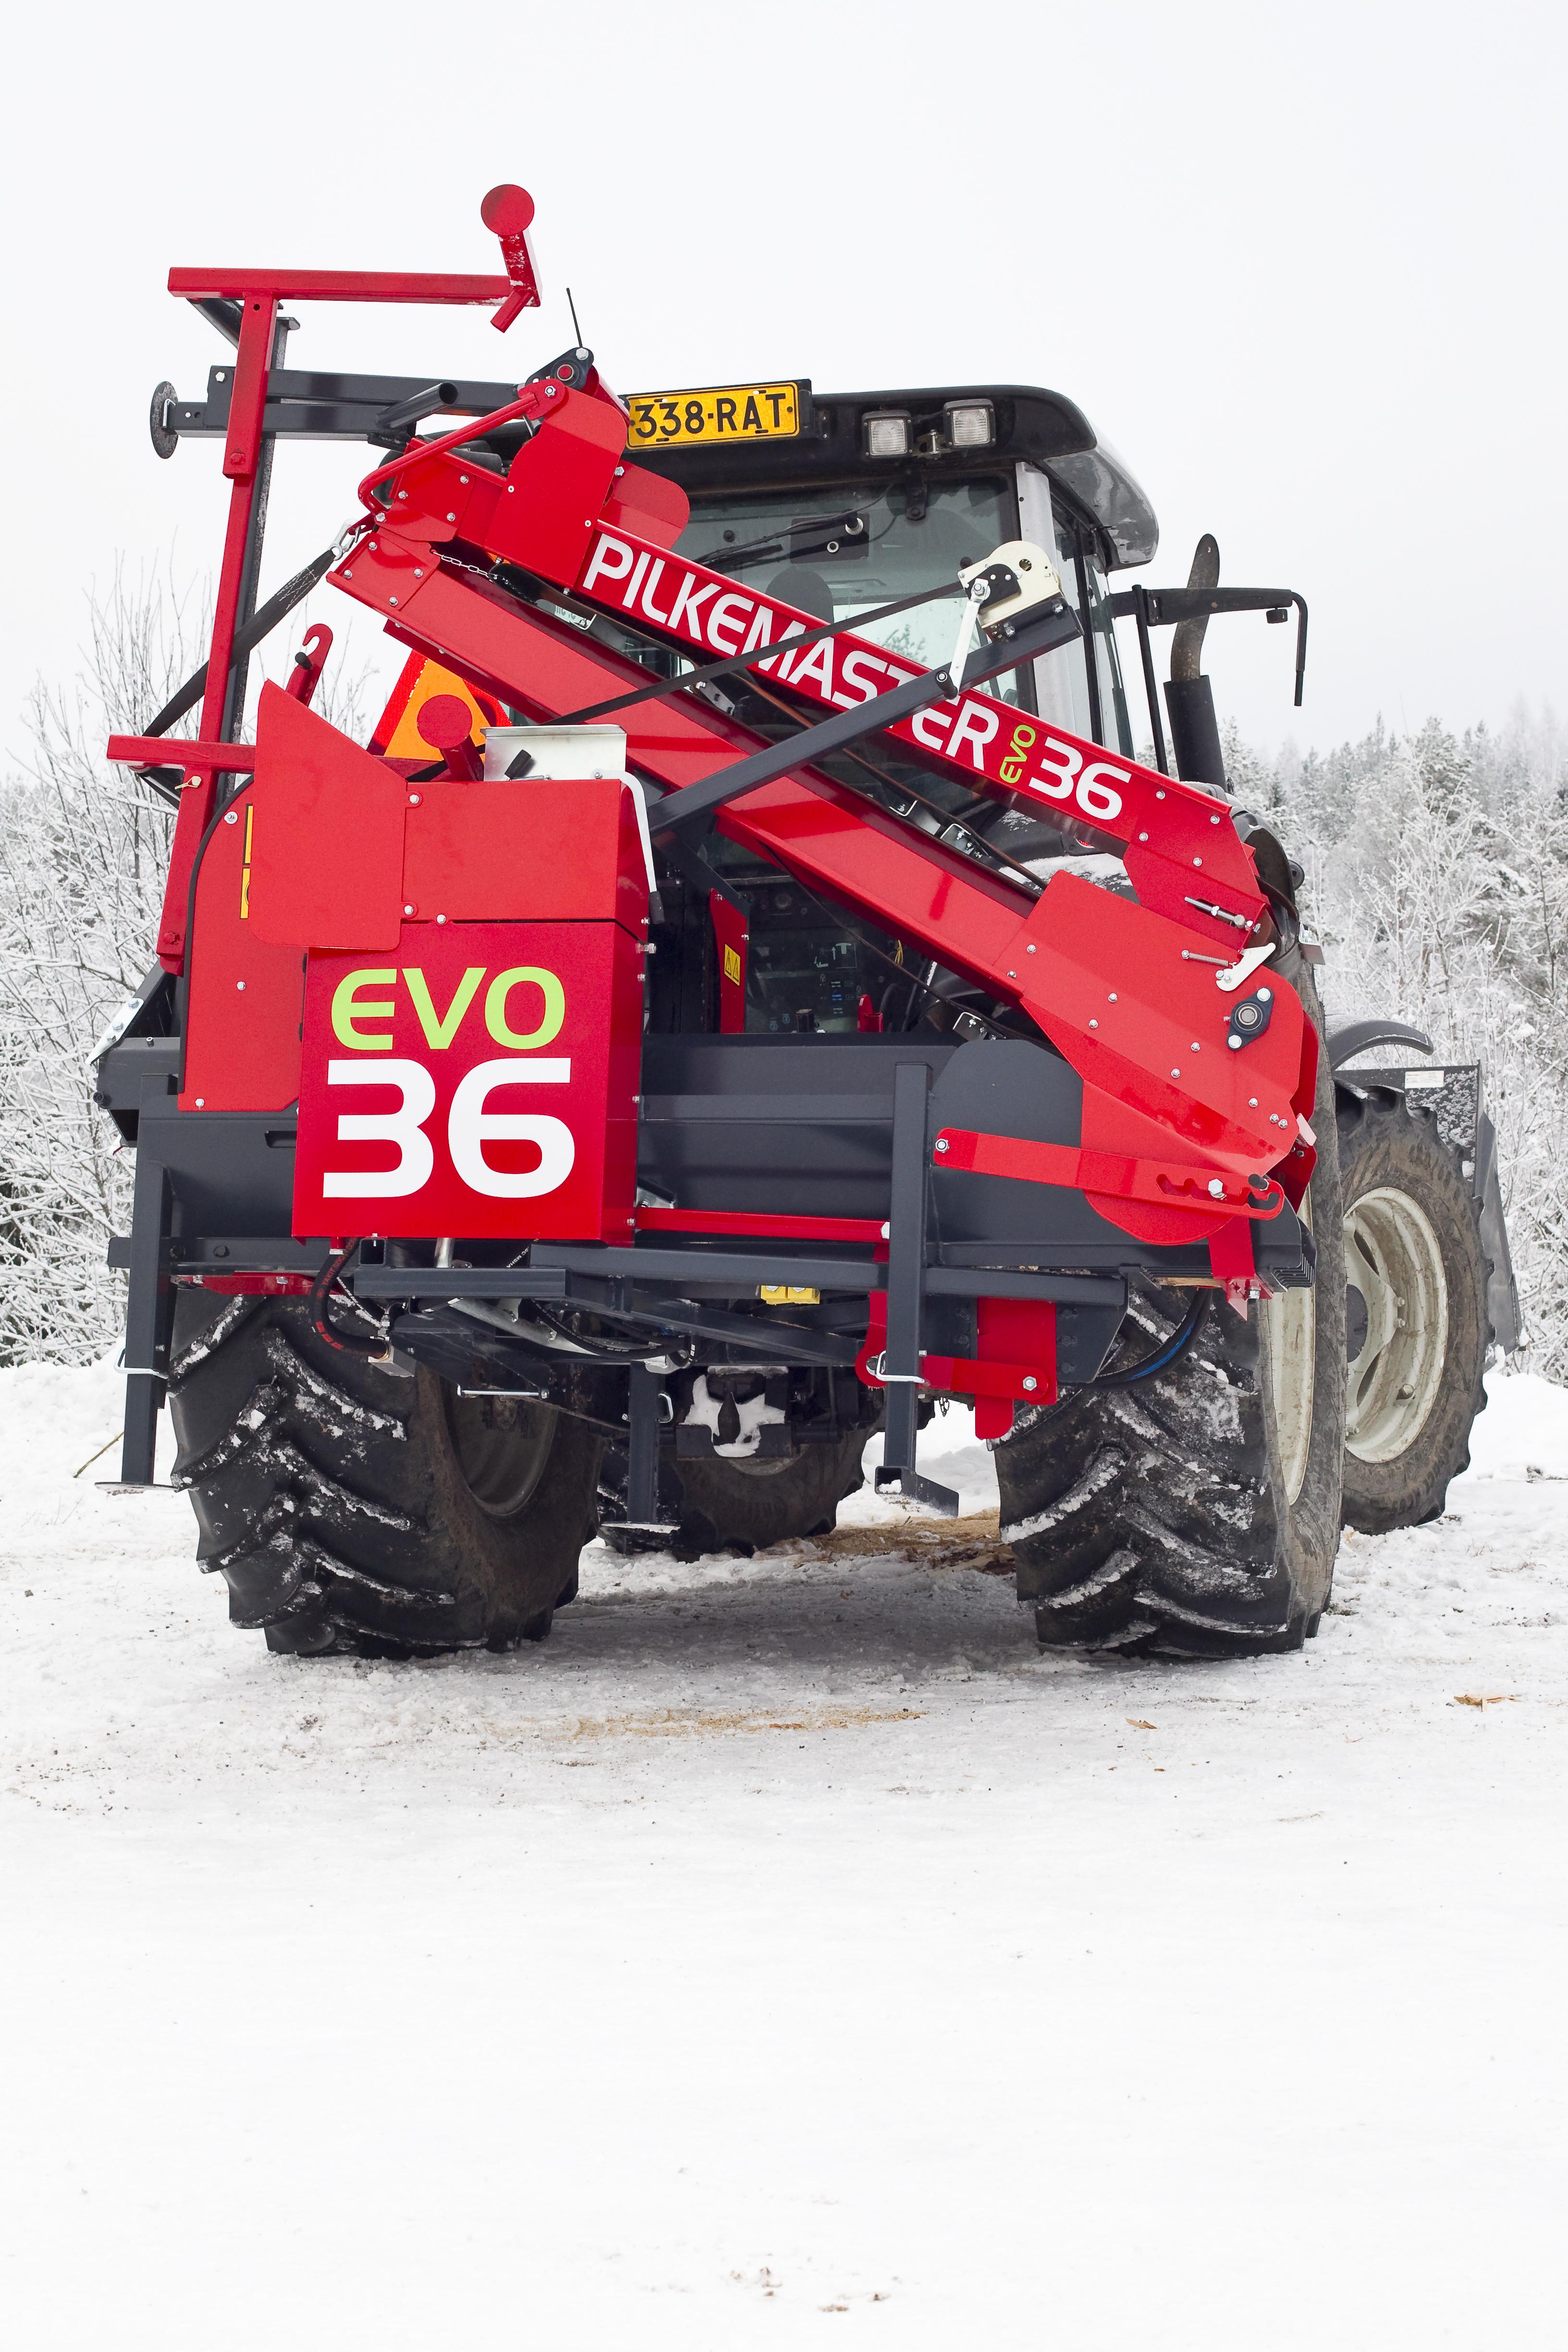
[242, 456]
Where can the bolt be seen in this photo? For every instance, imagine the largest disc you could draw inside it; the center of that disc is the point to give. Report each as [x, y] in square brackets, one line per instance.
[403, 494]
[1030, 1382]
[452, 518]
[1030, 949]
[1142, 836]
[1214, 820]
[413, 800]
[463, 478]
[1159, 797]
[1252, 1102]
[1012, 975]
[1176, 1074]
[1094, 1025]
[440, 919]
[374, 545]
[392, 600]
[1234, 1045]
[1112, 998]
[239, 983]
[1265, 995]
[942, 1143]
[1198, 861]
[620, 471]
[232, 817]
[1216, 1188]
[348, 573]
[201, 1101]
[408, 910]
[1196, 1047]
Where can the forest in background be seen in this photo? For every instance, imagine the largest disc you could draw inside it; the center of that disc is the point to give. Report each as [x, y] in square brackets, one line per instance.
[1436, 878]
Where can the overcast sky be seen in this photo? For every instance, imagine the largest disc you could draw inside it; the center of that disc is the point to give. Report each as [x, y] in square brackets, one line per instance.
[1303, 266]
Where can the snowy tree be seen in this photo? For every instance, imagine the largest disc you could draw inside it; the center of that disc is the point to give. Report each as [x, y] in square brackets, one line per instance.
[83, 849]
[1437, 877]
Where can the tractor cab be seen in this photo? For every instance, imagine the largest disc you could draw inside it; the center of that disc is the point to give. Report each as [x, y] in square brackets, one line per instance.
[875, 495]
[841, 504]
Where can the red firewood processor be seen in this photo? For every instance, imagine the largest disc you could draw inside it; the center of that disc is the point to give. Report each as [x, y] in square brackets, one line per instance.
[744, 992]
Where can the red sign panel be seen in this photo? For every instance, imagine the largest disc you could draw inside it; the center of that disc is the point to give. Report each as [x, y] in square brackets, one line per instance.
[481, 1082]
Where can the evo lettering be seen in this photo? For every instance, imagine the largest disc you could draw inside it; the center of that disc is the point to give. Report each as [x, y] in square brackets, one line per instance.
[350, 1008]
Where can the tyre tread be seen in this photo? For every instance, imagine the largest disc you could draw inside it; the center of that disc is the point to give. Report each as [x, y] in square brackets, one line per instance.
[329, 1498]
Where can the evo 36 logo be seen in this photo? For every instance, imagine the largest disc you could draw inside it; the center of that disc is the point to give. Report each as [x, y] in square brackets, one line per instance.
[483, 1083]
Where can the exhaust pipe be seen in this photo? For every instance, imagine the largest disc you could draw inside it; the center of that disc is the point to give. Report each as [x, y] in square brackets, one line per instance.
[1189, 697]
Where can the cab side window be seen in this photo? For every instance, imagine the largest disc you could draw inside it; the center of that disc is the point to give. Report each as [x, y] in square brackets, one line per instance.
[1080, 686]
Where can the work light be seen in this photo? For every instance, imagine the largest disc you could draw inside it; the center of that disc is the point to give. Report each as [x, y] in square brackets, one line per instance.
[971, 424]
[888, 433]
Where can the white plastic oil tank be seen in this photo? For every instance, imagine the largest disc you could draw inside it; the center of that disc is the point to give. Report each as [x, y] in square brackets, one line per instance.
[554, 753]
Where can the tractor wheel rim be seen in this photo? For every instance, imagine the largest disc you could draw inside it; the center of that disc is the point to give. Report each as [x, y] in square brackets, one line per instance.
[1393, 1259]
[502, 1448]
[1292, 1318]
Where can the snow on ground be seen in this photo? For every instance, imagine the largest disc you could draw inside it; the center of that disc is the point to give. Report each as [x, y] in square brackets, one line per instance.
[784, 1952]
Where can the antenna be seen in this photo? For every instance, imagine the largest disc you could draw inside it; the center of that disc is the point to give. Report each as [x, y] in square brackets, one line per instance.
[572, 306]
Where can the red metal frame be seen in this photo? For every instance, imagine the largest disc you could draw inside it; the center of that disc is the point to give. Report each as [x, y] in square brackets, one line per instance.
[259, 293]
[338, 286]
[1177, 840]
[1173, 1126]
[198, 759]
[1180, 848]
[1233, 1114]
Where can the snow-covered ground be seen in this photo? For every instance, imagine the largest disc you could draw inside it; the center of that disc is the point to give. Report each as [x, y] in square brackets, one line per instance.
[785, 1951]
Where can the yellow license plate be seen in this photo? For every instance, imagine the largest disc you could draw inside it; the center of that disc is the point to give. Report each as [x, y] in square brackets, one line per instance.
[730, 412]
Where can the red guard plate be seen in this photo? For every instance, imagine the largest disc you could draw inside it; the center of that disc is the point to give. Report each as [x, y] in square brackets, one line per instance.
[481, 1081]
[327, 855]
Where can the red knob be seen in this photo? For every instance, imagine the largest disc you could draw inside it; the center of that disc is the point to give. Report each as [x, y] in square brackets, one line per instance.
[507, 210]
[444, 721]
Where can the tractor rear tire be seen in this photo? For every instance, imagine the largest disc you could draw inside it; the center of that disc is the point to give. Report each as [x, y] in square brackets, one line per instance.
[1418, 1328]
[1196, 1514]
[353, 1510]
[727, 1503]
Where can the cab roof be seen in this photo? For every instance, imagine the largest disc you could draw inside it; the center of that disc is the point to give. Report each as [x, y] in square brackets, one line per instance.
[1030, 426]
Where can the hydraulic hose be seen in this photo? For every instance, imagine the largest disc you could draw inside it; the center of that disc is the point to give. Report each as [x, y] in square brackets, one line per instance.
[321, 1290]
[1161, 1357]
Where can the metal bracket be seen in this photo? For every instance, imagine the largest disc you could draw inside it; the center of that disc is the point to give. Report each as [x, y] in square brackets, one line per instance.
[642, 1447]
[150, 1307]
[906, 1289]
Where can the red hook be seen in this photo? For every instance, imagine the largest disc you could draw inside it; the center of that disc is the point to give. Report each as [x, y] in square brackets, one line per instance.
[308, 663]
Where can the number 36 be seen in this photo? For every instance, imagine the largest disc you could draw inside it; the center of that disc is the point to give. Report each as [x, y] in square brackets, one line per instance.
[469, 1126]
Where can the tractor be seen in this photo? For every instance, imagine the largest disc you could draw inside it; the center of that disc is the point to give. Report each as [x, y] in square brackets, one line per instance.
[750, 990]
